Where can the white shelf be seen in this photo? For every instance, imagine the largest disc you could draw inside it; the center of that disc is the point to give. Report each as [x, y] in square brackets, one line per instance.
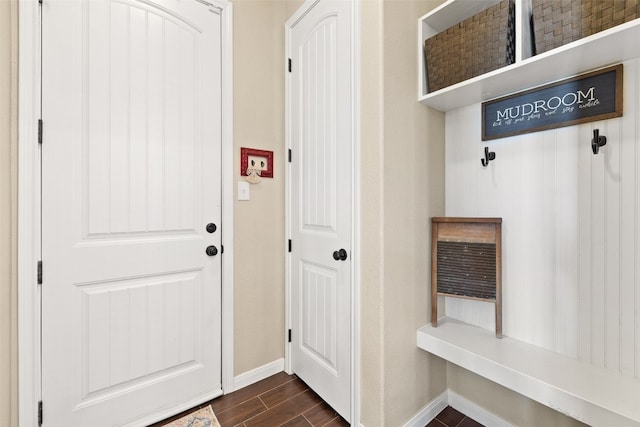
[608, 47]
[451, 12]
[592, 395]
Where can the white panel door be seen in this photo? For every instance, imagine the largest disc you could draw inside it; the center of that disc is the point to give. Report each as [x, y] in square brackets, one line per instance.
[320, 134]
[131, 106]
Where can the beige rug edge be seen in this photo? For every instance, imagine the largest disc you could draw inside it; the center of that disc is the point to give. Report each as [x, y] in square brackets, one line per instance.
[203, 417]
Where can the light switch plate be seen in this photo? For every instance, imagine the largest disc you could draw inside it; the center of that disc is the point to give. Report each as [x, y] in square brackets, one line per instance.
[244, 190]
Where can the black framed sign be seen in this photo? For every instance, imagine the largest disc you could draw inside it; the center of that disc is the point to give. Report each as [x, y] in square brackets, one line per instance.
[585, 98]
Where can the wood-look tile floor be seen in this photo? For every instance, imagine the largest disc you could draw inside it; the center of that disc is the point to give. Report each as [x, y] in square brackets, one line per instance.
[449, 417]
[285, 401]
[280, 400]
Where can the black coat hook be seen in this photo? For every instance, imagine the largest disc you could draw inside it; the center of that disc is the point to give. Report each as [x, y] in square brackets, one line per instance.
[597, 141]
[488, 156]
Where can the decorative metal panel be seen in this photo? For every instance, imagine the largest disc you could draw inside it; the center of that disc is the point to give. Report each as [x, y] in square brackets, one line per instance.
[466, 262]
[467, 269]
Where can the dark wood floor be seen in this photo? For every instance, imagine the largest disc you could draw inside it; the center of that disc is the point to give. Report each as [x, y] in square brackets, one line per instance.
[280, 400]
[285, 400]
[449, 417]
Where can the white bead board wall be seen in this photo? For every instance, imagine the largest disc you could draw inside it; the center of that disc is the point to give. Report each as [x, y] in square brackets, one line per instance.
[571, 230]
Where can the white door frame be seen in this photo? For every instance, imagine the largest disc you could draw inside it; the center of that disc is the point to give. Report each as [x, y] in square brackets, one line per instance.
[355, 203]
[29, 213]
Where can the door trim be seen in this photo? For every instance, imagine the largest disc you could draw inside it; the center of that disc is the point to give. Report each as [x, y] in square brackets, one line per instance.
[29, 206]
[227, 193]
[355, 203]
[28, 212]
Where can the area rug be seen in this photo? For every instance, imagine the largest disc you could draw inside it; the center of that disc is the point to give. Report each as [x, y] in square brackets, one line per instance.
[203, 417]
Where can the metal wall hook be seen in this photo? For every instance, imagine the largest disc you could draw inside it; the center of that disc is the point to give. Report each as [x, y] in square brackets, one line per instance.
[597, 141]
[488, 156]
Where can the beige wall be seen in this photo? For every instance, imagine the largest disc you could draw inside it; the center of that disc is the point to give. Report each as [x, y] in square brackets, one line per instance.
[259, 240]
[258, 30]
[413, 193]
[402, 187]
[371, 217]
[8, 215]
[291, 6]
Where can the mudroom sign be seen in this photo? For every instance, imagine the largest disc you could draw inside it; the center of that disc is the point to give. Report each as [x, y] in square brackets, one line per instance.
[585, 98]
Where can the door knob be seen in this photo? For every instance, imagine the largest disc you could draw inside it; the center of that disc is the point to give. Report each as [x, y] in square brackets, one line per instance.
[212, 250]
[211, 228]
[340, 255]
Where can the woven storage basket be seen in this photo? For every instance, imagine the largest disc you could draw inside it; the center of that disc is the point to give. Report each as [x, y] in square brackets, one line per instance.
[475, 46]
[558, 22]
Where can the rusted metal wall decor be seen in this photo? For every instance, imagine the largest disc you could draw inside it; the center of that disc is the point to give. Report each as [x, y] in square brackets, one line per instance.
[466, 262]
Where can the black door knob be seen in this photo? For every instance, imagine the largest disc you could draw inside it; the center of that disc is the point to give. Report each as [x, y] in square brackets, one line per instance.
[212, 250]
[211, 228]
[340, 255]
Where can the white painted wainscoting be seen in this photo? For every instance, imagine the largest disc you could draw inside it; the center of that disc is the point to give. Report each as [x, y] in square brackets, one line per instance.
[571, 230]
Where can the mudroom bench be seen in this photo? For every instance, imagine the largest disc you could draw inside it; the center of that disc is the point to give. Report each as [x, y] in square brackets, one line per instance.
[582, 391]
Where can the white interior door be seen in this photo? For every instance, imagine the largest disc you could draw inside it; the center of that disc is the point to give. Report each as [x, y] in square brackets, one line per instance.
[131, 323]
[320, 201]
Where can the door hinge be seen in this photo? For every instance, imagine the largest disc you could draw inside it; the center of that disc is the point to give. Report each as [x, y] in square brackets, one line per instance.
[289, 64]
[290, 155]
[39, 272]
[289, 245]
[289, 335]
[40, 130]
[40, 413]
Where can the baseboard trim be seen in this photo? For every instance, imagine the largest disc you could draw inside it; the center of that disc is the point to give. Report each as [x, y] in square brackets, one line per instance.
[258, 374]
[462, 404]
[476, 412]
[429, 412]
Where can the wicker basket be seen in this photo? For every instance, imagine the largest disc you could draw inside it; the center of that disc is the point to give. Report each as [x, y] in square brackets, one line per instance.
[558, 22]
[475, 46]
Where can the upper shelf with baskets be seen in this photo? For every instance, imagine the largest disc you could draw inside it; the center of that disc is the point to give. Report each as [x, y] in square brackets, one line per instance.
[607, 47]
